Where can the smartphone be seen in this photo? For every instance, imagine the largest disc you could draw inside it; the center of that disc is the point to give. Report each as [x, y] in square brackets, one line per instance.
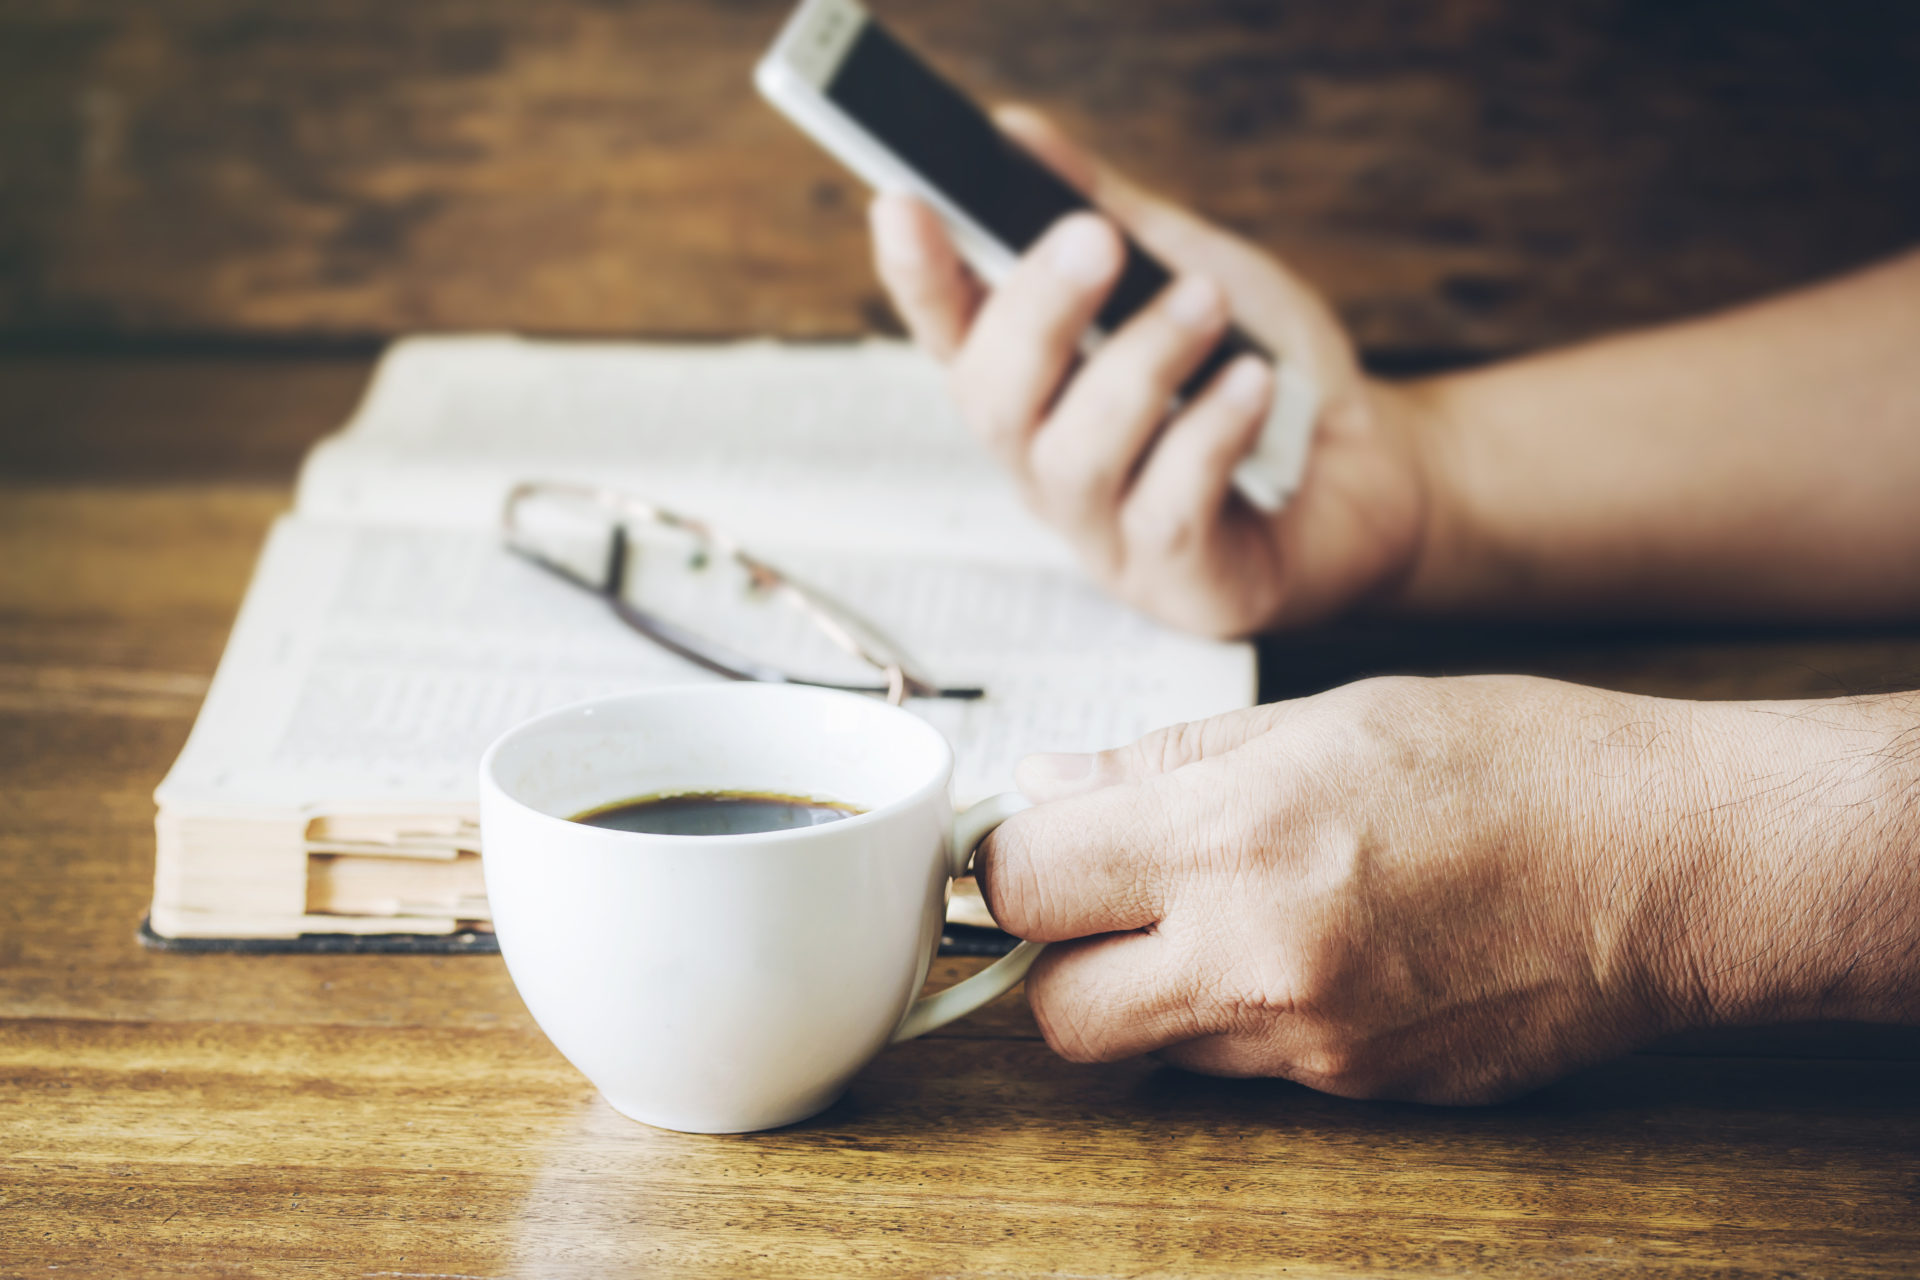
[863, 95]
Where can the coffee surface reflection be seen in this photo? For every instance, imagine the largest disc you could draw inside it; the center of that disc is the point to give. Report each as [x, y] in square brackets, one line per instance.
[715, 813]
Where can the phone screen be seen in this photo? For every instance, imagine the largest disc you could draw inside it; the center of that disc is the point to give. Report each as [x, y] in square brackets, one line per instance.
[936, 129]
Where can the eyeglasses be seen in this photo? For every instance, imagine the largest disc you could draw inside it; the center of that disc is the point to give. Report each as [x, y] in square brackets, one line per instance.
[695, 592]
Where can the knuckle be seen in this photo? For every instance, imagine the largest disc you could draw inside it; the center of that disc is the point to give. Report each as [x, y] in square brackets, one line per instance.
[1318, 973]
[1140, 385]
[1165, 532]
[1333, 1062]
[1223, 442]
[1009, 882]
[1381, 697]
[1068, 480]
[983, 407]
[1387, 720]
[1069, 1026]
[1170, 747]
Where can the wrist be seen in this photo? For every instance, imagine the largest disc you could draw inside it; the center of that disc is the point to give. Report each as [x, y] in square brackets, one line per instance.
[1452, 555]
[1787, 864]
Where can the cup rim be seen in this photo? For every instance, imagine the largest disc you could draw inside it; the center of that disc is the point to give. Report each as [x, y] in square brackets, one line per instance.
[938, 783]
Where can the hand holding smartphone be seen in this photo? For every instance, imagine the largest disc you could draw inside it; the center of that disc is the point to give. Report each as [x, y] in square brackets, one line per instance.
[859, 92]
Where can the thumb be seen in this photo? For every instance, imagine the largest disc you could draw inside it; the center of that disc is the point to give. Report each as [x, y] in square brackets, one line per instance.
[1056, 776]
[1164, 227]
[1048, 143]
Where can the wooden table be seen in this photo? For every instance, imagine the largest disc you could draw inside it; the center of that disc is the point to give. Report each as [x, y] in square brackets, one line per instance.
[1464, 179]
[392, 1116]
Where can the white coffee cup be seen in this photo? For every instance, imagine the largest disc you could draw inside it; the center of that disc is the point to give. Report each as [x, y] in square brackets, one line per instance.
[720, 984]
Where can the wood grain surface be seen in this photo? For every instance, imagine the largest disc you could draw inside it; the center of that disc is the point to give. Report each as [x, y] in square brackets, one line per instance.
[1468, 176]
[211, 1115]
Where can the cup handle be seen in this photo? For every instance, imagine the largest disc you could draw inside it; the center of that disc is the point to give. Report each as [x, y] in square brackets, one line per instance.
[942, 1007]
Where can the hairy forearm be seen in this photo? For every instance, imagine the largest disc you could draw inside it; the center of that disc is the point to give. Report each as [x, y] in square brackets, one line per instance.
[1761, 462]
[1784, 861]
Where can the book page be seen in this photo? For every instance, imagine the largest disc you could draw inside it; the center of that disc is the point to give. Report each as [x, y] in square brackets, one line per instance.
[372, 664]
[838, 446]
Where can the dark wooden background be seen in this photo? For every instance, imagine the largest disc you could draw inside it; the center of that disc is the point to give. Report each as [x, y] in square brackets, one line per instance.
[1463, 176]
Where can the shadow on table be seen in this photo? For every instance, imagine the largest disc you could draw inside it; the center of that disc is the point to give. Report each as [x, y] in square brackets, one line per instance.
[1668, 660]
[1812, 1071]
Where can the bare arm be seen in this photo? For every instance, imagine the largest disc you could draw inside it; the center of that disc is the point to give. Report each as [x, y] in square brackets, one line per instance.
[1802, 884]
[1760, 462]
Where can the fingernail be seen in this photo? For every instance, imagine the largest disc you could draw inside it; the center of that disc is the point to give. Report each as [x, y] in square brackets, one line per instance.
[894, 234]
[1195, 303]
[1083, 250]
[1055, 769]
[1247, 382]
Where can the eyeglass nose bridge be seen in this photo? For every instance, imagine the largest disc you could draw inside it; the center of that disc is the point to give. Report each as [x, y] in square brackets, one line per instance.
[613, 575]
[614, 579]
[613, 571]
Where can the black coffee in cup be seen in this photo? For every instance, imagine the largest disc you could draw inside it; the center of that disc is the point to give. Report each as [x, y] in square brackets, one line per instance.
[715, 813]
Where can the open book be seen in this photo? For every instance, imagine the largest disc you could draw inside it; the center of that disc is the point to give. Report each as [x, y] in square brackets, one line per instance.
[329, 782]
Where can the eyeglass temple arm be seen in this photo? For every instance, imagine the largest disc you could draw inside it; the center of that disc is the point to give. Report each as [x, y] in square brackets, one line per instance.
[706, 654]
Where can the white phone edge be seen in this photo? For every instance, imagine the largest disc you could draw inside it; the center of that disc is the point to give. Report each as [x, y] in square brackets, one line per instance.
[792, 76]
